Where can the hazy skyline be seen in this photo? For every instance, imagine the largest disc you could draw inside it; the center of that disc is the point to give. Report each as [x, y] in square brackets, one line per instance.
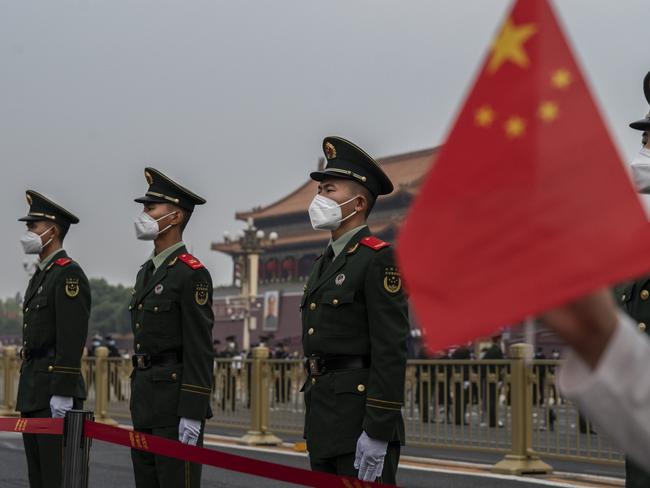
[233, 99]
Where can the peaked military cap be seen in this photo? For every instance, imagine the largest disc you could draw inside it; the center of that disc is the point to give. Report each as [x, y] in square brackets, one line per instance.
[644, 124]
[163, 189]
[42, 208]
[348, 161]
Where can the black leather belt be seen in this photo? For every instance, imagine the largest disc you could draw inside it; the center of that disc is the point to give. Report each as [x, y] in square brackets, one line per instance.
[146, 361]
[317, 365]
[37, 353]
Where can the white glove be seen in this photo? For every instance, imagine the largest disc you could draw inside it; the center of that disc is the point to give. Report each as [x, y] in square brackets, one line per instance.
[59, 405]
[189, 430]
[369, 459]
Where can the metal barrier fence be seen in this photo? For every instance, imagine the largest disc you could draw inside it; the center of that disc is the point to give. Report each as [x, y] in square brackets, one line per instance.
[510, 406]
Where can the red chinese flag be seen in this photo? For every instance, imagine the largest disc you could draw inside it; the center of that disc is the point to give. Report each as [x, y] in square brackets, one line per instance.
[528, 205]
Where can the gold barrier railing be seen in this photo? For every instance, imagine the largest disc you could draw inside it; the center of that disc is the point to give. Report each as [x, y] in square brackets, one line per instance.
[512, 407]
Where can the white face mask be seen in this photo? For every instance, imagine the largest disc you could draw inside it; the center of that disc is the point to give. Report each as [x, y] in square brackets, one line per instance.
[641, 171]
[32, 243]
[325, 213]
[147, 228]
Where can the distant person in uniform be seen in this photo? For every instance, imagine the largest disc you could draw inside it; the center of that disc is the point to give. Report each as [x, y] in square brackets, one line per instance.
[56, 311]
[491, 385]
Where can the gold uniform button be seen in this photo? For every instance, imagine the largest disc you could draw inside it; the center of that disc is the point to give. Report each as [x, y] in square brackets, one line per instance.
[137, 325]
[155, 309]
[313, 381]
[25, 325]
[310, 331]
[50, 369]
[173, 376]
[642, 326]
[623, 297]
[130, 307]
[137, 346]
[312, 306]
[140, 307]
[27, 309]
[24, 343]
[361, 388]
[335, 301]
[645, 294]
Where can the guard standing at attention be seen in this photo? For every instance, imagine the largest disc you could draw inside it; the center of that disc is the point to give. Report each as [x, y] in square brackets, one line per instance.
[172, 319]
[56, 309]
[634, 297]
[355, 325]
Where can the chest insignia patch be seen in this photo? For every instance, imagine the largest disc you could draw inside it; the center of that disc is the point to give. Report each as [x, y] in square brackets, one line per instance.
[72, 287]
[158, 289]
[201, 294]
[392, 280]
[339, 279]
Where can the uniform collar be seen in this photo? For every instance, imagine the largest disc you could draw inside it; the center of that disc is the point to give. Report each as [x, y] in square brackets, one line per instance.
[43, 264]
[159, 259]
[341, 243]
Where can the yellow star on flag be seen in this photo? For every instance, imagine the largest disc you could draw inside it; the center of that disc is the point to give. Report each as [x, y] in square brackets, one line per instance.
[561, 79]
[548, 111]
[484, 116]
[515, 127]
[509, 45]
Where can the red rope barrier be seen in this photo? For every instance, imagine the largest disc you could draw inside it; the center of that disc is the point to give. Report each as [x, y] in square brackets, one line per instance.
[32, 425]
[166, 447]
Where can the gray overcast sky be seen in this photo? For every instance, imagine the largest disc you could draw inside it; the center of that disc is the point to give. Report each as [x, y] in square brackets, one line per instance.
[233, 99]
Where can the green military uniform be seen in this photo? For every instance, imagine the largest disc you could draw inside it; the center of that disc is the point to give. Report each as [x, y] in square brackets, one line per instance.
[55, 325]
[634, 298]
[171, 319]
[354, 329]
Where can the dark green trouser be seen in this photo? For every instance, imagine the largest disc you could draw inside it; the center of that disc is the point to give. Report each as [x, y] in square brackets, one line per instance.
[44, 452]
[344, 465]
[153, 471]
[635, 477]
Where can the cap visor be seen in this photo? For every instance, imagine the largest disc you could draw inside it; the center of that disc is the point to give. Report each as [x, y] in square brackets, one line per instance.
[31, 218]
[150, 199]
[643, 124]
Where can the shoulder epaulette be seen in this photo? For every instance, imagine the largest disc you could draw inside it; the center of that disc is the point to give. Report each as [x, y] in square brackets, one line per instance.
[63, 261]
[373, 243]
[191, 261]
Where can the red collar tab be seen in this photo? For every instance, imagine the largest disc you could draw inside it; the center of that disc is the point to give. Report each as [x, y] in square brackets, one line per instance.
[373, 243]
[63, 261]
[191, 261]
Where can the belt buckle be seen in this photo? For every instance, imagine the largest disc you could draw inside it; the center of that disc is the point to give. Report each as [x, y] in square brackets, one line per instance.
[315, 366]
[141, 361]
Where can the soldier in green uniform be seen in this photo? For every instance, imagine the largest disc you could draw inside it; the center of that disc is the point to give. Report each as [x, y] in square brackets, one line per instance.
[55, 325]
[171, 319]
[355, 325]
[635, 297]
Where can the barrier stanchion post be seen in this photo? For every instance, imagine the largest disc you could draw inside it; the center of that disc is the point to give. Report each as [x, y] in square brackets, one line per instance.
[522, 459]
[9, 370]
[260, 379]
[101, 387]
[76, 449]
